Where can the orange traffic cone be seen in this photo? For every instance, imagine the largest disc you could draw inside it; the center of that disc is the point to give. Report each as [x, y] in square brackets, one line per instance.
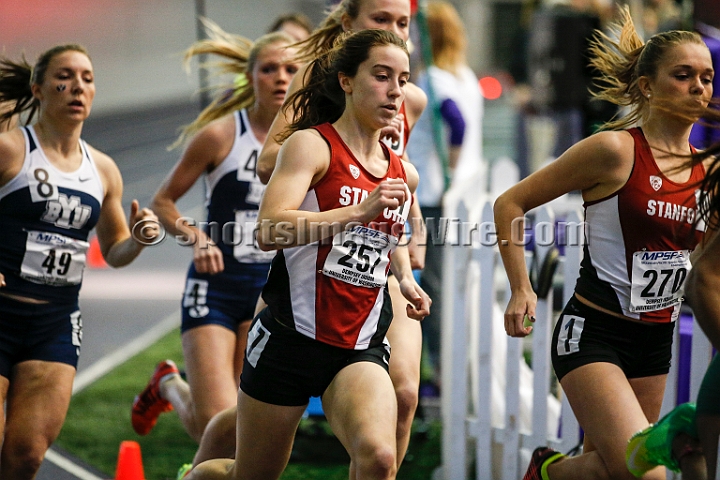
[129, 464]
[94, 257]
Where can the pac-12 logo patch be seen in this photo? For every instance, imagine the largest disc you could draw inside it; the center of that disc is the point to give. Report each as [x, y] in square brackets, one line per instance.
[354, 171]
[655, 182]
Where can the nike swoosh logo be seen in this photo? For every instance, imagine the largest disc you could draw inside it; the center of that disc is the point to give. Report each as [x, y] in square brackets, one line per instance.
[85, 179]
[385, 359]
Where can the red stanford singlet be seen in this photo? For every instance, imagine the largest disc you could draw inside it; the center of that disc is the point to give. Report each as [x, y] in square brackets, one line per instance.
[639, 241]
[334, 290]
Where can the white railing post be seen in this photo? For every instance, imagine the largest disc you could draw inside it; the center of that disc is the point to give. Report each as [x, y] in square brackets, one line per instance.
[511, 429]
[470, 297]
[454, 353]
[485, 255]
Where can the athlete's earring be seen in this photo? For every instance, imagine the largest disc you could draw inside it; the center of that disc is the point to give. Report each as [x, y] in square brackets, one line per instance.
[648, 95]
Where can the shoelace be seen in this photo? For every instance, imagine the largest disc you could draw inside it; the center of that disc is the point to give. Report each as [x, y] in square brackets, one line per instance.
[147, 401]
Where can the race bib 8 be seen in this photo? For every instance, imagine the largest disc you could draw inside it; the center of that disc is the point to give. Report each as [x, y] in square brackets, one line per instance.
[360, 257]
[658, 279]
[53, 259]
[41, 185]
[247, 250]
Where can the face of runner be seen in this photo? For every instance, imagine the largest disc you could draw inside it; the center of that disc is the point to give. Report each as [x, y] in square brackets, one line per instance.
[392, 15]
[685, 74]
[271, 75]
[378, 88]
[68, 88]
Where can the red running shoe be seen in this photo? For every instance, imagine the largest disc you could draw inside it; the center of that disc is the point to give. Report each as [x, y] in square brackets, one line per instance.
[541, 458]
[148, 406]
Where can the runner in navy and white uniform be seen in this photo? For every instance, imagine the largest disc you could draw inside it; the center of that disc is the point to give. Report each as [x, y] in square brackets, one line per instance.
[612, 343]
[54, 189]
[335, 207]
[228, 270]
[405, 334]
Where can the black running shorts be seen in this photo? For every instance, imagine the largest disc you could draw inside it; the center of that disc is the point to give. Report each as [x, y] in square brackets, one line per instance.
[284, 367]
[584, 335]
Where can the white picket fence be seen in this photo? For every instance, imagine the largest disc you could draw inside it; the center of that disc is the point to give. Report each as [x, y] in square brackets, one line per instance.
[494, 417]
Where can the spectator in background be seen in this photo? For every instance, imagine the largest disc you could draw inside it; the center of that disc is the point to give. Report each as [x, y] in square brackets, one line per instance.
[295, 24]
[661, 16]
[559, 78]
[521, 94]
[457, 94]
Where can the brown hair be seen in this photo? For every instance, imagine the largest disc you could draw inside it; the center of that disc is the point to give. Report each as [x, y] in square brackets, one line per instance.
[16, 78]
[322, 99]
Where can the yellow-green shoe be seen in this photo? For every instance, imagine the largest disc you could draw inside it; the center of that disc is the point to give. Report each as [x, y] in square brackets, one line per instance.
[653, 446]
[184, 471]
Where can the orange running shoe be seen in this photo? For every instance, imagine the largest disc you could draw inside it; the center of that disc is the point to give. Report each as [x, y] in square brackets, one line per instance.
[148, 406]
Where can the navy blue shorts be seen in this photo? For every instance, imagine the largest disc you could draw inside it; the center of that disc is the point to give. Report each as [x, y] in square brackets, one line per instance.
[584, 335]
[47, 332]
[284, 367]
[225, 299]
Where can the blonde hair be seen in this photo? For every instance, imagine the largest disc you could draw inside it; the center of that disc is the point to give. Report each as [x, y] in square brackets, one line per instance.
[622, 62]
[240, 56]
[447, 36]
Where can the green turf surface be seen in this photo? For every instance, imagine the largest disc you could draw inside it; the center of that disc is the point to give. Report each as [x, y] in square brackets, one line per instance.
[99, 420]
